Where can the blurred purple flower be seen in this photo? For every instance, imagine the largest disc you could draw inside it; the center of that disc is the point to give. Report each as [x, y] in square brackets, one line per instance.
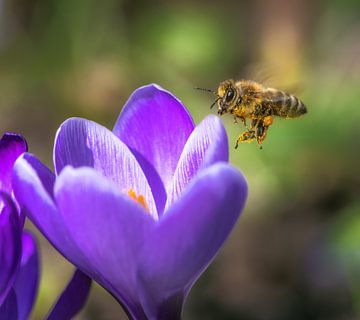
[18, 253]
[144, 209]
[19, 261]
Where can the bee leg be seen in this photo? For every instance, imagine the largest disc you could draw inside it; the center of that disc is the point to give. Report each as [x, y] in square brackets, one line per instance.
[235, 119]
[247, 136]
[253, 123]
[268, 121]
[243, 120]
[261, 132]
[262, 128]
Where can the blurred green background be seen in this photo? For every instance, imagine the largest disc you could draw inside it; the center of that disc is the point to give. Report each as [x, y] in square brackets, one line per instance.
[295, 253]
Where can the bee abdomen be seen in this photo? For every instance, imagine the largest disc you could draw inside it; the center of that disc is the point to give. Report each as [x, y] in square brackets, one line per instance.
[287, 105]
[295, 107]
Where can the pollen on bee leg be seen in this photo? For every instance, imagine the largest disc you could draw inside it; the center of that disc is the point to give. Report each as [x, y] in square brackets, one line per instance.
[268, 121]
[138, 198]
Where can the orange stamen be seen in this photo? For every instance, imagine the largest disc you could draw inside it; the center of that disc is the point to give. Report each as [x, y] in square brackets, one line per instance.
[139, 199]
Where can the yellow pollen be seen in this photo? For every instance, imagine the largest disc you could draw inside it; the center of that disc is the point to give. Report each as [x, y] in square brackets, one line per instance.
[139, 199]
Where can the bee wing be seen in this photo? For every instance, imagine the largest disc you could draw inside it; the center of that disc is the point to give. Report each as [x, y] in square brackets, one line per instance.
[270, 76]
[270, 96]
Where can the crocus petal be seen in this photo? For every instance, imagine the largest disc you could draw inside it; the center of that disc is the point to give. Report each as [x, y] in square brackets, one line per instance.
[187, 238]
[73, 297]
[27, 278]
[81, 142]
[206, 145]
[8, 310]
[107, 225]
[33, 188]
[155, 125]
[10, 244]
[11, 146]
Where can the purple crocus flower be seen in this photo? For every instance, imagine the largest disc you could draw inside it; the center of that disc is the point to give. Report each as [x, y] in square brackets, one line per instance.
[18, 253]
[19, 260]
[142, 210]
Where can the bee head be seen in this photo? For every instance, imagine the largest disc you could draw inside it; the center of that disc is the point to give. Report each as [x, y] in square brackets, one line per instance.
[227, 95]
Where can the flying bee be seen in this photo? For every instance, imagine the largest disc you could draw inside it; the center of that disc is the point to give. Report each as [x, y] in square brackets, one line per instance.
[246, 99]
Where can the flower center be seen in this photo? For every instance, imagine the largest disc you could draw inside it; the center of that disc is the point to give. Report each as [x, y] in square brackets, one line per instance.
[138, 198]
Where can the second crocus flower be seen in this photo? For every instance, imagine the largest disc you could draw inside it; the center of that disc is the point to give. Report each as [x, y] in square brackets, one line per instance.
[19, 262]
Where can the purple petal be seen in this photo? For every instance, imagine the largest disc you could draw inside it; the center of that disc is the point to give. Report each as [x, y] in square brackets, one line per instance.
[155, 125]
[33, 190]
[73, 298]
[206, 145]
[107, 225]
[11, 146]
[188, 237]
[27, 278]
[8, 310]
[10, 244]
[81, 142]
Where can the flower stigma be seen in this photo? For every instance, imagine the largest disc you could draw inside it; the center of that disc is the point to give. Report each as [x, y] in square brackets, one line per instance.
[139, 199]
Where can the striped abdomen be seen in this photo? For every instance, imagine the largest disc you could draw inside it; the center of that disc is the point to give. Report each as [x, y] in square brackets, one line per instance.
[283, 104]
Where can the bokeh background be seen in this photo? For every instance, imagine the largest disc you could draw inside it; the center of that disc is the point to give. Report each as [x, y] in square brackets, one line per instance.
[295, 253]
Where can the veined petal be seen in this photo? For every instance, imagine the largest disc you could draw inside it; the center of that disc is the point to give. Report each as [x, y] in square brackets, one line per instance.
[10, 244]
[187, 238]
[33, 188]
[81, 142]
[11, 146]
[73, 297]
[27, 278]
[206, 145]
[108, 227]
[155, 125]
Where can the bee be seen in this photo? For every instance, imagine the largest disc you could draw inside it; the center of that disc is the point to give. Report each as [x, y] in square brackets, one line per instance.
[249, 100]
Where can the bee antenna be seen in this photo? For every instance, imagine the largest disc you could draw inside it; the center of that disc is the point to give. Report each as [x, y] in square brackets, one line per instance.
[214, 103]
[203, 89]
